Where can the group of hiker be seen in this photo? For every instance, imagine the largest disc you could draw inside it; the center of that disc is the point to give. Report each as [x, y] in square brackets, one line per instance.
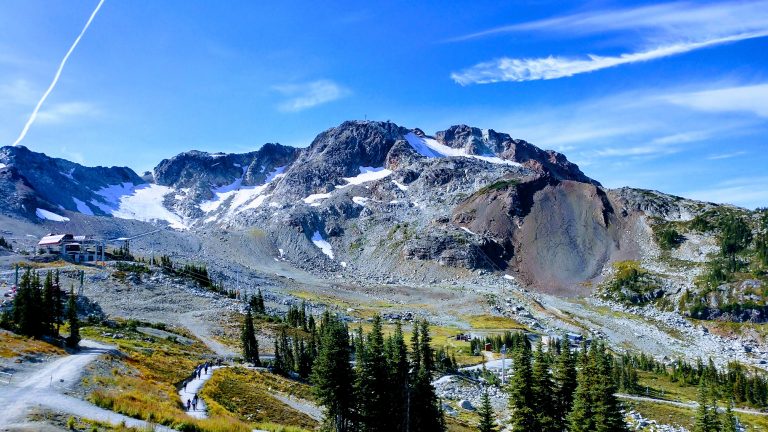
[200, 370]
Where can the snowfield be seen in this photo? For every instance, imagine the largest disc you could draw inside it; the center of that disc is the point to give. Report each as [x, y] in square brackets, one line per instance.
[143, 202]
[367, 174]
[314, 198]
[321, 243]
[46, 215]
[82, 207]
[242, 197]
[432, 148]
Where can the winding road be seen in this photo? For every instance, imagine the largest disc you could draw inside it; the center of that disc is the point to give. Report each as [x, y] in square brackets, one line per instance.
[44, 388]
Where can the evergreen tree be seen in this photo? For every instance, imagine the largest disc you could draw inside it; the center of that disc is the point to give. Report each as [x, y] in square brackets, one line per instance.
[249, 342]
[427, 355]
[372, 383]
[58, 303]
[608, 414]
[543, 391]
[74, 324]
[595, 407]
[521, 396]
[398, 389]
[729, 423]
[706, 413]
[425, 411]
[564, 375]
[278, 364]
[27, 306]
[333, 377]
[487, 418]
[48, 308]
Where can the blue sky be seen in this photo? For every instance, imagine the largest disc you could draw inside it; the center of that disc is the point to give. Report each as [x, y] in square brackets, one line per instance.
[669, 96]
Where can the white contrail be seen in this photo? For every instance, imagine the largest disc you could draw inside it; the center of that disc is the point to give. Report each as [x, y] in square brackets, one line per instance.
[33, 116]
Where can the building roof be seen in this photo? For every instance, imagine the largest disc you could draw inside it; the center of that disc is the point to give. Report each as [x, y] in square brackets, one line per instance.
[54, 239]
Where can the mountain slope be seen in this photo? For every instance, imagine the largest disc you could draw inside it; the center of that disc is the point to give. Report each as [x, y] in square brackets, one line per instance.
[373, 199]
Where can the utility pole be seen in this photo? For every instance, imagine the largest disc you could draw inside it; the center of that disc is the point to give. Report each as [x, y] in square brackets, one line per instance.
[503, 364]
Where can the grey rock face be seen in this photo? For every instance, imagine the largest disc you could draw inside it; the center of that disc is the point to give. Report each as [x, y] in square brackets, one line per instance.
[59, 182]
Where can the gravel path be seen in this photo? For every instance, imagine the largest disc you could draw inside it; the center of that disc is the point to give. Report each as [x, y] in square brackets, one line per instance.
[192, 388]
[691, 405]
[43, 388]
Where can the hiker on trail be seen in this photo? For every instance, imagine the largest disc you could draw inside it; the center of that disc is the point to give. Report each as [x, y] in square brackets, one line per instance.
[194, 406]
[189, 404]
[205, 370]
[185, 385]
[194, 399]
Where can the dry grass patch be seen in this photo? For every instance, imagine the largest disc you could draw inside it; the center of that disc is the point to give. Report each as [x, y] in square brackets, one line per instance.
[145, 384]
[493, 322]
[246, 393]
[13, 345]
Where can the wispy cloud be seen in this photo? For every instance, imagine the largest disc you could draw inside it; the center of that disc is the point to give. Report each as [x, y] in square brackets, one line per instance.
[668, 20]
[547, 68]
[750, 192]
[749, 98]
[308, 95]
[17, 92]
[61, 112]
[722, 156]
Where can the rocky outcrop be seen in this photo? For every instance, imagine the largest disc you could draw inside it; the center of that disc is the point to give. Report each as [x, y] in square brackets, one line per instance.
[340, 152]
[60, 182]
[489, 142]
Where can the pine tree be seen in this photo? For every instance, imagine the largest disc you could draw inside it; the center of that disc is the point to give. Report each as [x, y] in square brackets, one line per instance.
[27, 306]
[729, 423]
[581, 418]
[487, 418]
[333, 377]
[74, 324]
[425, 411]
[397, 365]
[372, 383]
[249, 342]
[278, 364]
[564, 375]
[521, 397]
[706, 413]
[543, 391]
[608, 415]
[48, 308]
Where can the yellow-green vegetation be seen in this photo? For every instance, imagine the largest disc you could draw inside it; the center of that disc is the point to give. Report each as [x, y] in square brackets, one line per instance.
[664, 413]
[686, 416]
[249, 394]
[13, 345]
[631, 283]
[145, 386]
[498, 185]
[83, 424]
[493, 322]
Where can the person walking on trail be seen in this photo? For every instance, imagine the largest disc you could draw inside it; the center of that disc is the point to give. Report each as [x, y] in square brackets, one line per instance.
[194, 406]
[189, 404]
[185, 385]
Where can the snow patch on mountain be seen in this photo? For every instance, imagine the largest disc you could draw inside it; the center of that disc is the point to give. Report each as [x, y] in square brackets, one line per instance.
[247, 196]
[2, 165]
[367, 174]
[46, 215]
[82, 207]
[322, 244]
[143, 202]
[400, 186]
[314, 198]
[430, 147]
